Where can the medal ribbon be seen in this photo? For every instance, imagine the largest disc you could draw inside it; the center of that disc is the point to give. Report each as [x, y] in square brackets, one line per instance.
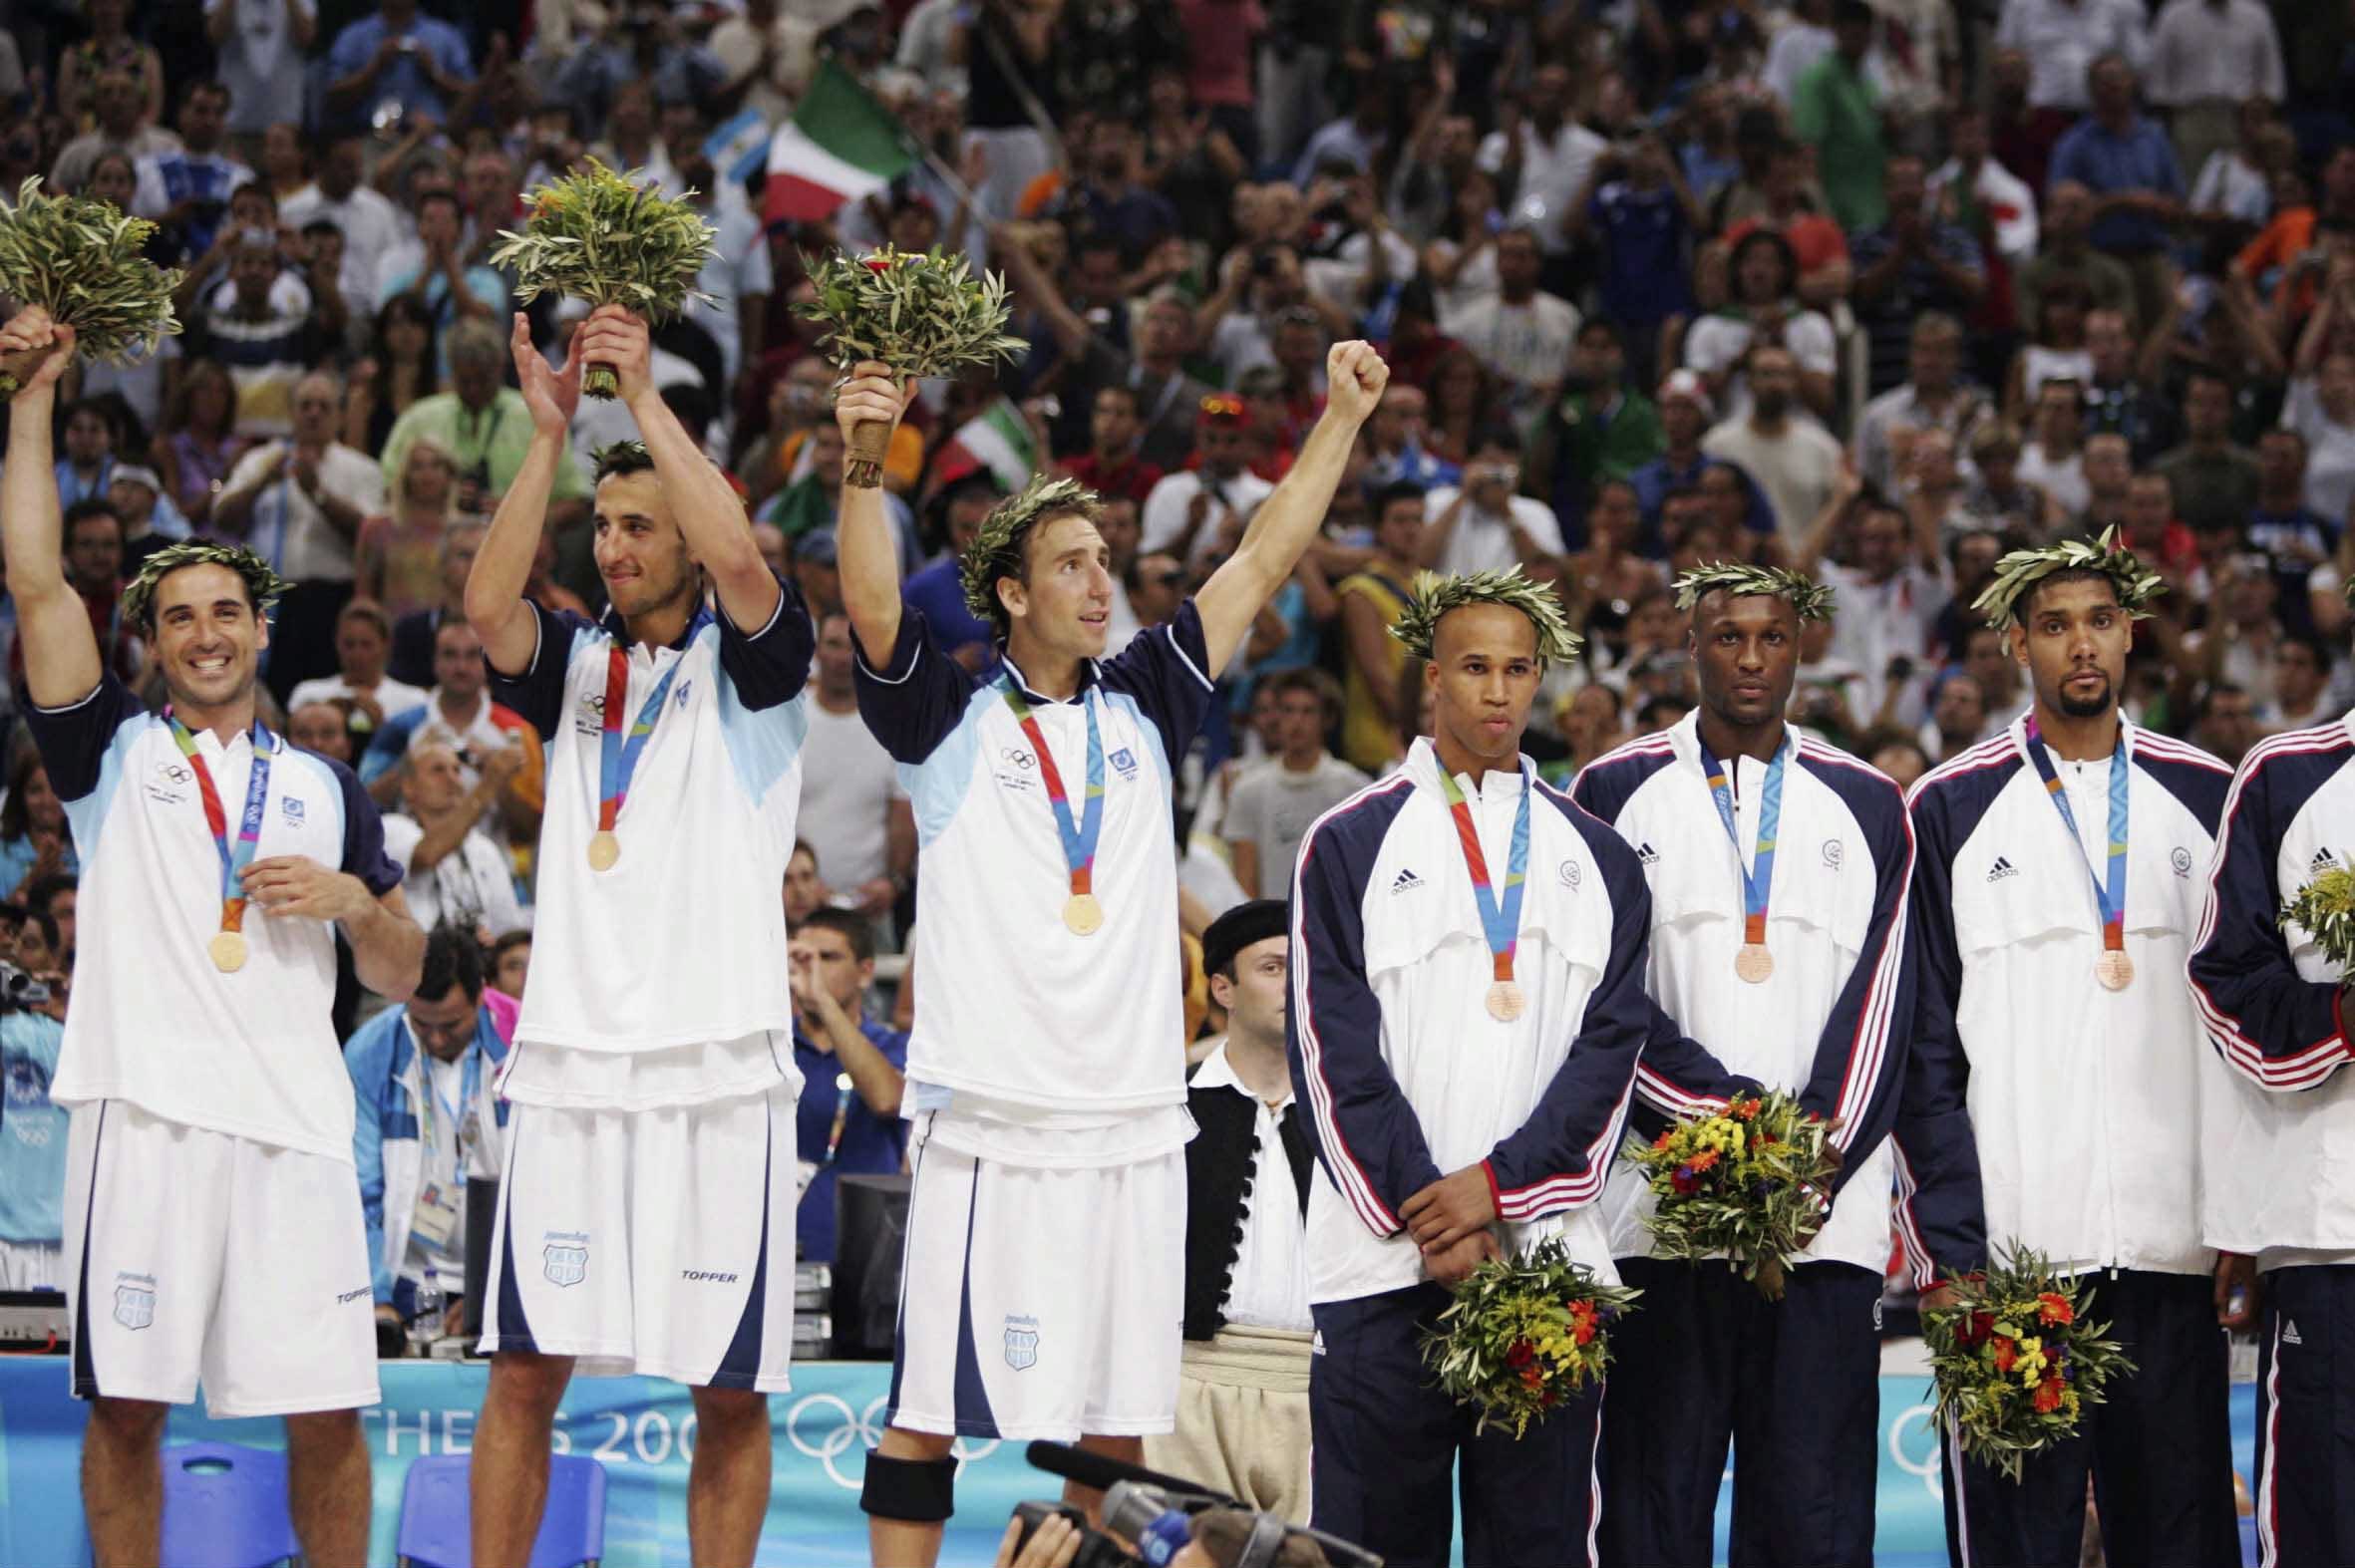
[1079, 839]
[618, 757]
[234, 859]
[1499, 918]
[2109, 889]
[1758, 876]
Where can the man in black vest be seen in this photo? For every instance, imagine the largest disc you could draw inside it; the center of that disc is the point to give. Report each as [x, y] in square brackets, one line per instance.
[1243, 1401]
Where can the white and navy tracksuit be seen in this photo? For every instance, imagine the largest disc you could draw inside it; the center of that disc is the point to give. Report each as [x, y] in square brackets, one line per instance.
[1046, 1073]
[1794, 1384]
[1407, 1077]
[2281, 1189]
[2041, 1110]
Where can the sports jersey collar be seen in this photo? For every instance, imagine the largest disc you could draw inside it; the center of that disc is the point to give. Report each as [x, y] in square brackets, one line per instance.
[1091, 672]
[1216, 1072]
[2128, 730]
[1423, 762]
[618, 629]
[1685, 737]
[214, 746]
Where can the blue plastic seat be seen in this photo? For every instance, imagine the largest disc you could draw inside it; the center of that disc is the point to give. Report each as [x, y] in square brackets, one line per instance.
[225, 1506]
[437, 1519]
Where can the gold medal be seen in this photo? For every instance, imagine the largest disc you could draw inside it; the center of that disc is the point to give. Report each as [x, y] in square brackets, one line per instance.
[1754, 963]
[2115, 970]
[1083, 914]
[1506, 1001]
[229, 951]
[603, 850]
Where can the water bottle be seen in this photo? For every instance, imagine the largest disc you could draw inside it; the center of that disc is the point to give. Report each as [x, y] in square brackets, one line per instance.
[426, 1327]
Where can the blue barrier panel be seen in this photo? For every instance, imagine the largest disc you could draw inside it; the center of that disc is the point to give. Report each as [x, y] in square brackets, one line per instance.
[643, 1431]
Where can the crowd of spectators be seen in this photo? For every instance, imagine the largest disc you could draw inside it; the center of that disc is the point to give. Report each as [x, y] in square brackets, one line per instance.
[1872, 290]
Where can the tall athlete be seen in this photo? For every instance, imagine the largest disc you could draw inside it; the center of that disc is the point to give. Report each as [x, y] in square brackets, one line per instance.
[1468, 1018]
[2279, 1014]
[2060, 1080]
[646, 1220]
[1046, 1235]
[1778, 870]
[213, 1210]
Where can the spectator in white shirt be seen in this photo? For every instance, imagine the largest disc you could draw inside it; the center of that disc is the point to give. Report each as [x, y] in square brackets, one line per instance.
[2062, 37]
[1521, 335]
[2054, 461]
[1548, 156]
[1792, 459]
[363, 641]
[854, 808]
[1276, 801]
[1889, 602]
[449, 867]
[1187, 513]
[1973, 175]
[2207, 58]
[370, 223]
[1483, 526]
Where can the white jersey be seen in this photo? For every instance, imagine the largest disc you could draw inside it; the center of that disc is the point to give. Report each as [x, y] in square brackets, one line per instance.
[2273, 1008]
[252, 1054]
[1405, 1073]
[1013, 1007]
[2087, 1107]
[1829, 1023]
[681, 943]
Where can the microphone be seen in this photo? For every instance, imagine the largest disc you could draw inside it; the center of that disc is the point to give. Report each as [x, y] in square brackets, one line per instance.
[1094, 1471]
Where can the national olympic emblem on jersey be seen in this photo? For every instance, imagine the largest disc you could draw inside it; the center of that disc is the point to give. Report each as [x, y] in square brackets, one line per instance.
[292, 808]
[170, 785]
[135, 1301]
[565, 1260]
[28, 1084]
[1125, 761]
[591, 720]
[2181, 859]
[1022, 1342]
[679, 697]
[1572, 873]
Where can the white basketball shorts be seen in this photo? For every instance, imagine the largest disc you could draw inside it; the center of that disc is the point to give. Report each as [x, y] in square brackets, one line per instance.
[1041, 1303]
[199, 1257]
[31, 1265]
[655, 1242]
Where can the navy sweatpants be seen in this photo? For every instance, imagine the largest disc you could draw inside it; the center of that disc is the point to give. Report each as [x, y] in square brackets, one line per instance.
[2159, 1449]
[2305, 1481]
[1794, 1386]
[1387, 1444]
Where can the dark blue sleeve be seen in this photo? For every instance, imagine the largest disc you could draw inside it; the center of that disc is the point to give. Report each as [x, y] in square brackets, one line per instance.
[536, 692]
[363, 833]
[1366, 1134]
[2274, 1027]
[1557, 1158]
[1860, 1055]
[73, 741]
[770, 667]
[1941, 1214]
[912, 705]
[1163, 668]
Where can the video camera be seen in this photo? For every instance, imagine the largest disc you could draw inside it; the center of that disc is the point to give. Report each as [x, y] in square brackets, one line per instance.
[1158, 1512]
[20, 992]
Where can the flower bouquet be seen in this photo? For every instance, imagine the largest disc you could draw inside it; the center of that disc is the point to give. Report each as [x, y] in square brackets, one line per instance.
[83, 262]
[1750, 1182]
[2325, 909]
[607, 238]
[1525, 1333]
[2016, 1360]
[922, 315]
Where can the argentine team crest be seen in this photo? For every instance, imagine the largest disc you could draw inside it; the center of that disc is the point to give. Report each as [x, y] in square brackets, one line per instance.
[564, 1262]
[1124, 760]
[134, 1305]
[1022, 1342]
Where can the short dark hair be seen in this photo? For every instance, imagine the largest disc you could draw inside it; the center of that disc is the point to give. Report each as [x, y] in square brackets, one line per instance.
[2205, 701]
[508, 942]
[41, 894]
[83, 511]
[1122, 389]
[1397, 491]
[439, 193]
[622, 458]
[1315, 682]
[1599, 326]
[2027, 600]
[2311, 643]
[452, 958]
[856, 928]
[1499, 434]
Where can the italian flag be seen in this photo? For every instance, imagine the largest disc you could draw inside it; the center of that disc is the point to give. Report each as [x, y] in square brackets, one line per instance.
[998, 441]
[840, 145]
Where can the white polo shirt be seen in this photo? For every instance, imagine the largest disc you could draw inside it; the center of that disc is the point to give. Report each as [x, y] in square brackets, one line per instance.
[678, 947]
[250, 1053]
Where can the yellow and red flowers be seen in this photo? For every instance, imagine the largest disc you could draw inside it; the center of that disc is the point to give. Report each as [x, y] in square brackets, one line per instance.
[1523, 1335]
[2016, 1360]
[1750, 1182]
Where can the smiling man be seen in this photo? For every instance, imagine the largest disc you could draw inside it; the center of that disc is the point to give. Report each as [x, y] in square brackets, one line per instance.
[1778, 870]
[213, 1210]
[2061, 1083]
[646, 1217]
[1046, 1069]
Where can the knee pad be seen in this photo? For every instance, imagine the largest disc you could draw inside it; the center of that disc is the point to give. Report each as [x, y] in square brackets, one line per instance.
[914, 1491]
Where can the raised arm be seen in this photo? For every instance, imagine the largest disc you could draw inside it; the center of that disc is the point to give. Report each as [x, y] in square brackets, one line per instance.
[495, 603]
[865, 539]
[1288, 520]
[62, 663]
[711, 516]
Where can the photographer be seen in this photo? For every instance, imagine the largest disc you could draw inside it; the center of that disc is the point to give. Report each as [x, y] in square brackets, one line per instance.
[1220, 1538]
[1483, 526]
[32, 1130]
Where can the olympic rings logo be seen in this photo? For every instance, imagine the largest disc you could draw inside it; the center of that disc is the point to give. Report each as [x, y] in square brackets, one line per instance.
[1019, 758]
[1910, 1455]
[847, 1429]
